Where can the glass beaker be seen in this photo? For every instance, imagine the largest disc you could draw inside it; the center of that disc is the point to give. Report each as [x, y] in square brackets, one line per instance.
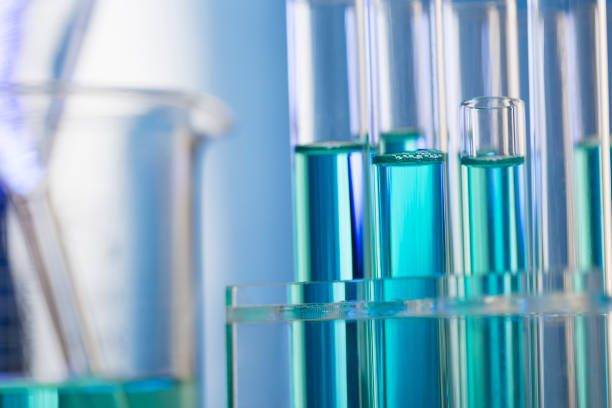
[102, 251]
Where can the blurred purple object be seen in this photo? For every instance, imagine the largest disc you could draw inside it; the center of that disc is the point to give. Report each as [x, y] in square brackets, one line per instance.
[39, 41]
[20, 168]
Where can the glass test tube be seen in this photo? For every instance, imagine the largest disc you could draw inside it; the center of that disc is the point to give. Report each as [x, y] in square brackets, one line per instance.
[485, 54]
[328, 133]
[492, 185]
[608, 334]
[494, 229]
[409, 200]
[409, 170]
[326, 46]
[570, 123]
[569, 111]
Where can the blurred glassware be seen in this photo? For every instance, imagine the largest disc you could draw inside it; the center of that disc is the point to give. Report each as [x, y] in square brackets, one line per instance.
[116, 212]
[40, 40]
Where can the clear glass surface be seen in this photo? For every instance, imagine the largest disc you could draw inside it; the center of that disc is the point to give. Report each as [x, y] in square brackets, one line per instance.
[401, 36]
[326, 60]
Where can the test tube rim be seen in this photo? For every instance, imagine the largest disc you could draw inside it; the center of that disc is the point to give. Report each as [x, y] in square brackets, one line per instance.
[505, 102]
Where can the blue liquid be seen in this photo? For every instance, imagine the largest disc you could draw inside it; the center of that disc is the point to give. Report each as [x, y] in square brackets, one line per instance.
[493, 365]
[399, 141]
[329, 211]
[493, 214]
[329, 222]
[589, 242]
[325, 364]
[159, 392]
[409, 214]
[411, 242]
[589, 223]
[409, 358]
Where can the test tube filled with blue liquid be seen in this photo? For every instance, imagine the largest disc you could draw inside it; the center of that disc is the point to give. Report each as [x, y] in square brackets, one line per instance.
[572, 138]
[326, 42]
[493, 208]
[409, 198]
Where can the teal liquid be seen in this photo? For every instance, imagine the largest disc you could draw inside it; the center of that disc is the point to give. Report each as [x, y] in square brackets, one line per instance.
[411, 242]
[589, 223]
[398, 141]
[409, 214]
[589, 251]
[492, 367]
[325, 364]
[329, 221]
[493, 214]
[329, 211]
[161, 392]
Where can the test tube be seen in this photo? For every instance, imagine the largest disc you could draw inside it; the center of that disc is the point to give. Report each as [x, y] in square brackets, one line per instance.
[568, 77]
[328, 119]
[485, 51]
[494, 226]
[328, 133]
[409, 160]
[484, 54]
[569, 95]
[409, 200]
[493, 185]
